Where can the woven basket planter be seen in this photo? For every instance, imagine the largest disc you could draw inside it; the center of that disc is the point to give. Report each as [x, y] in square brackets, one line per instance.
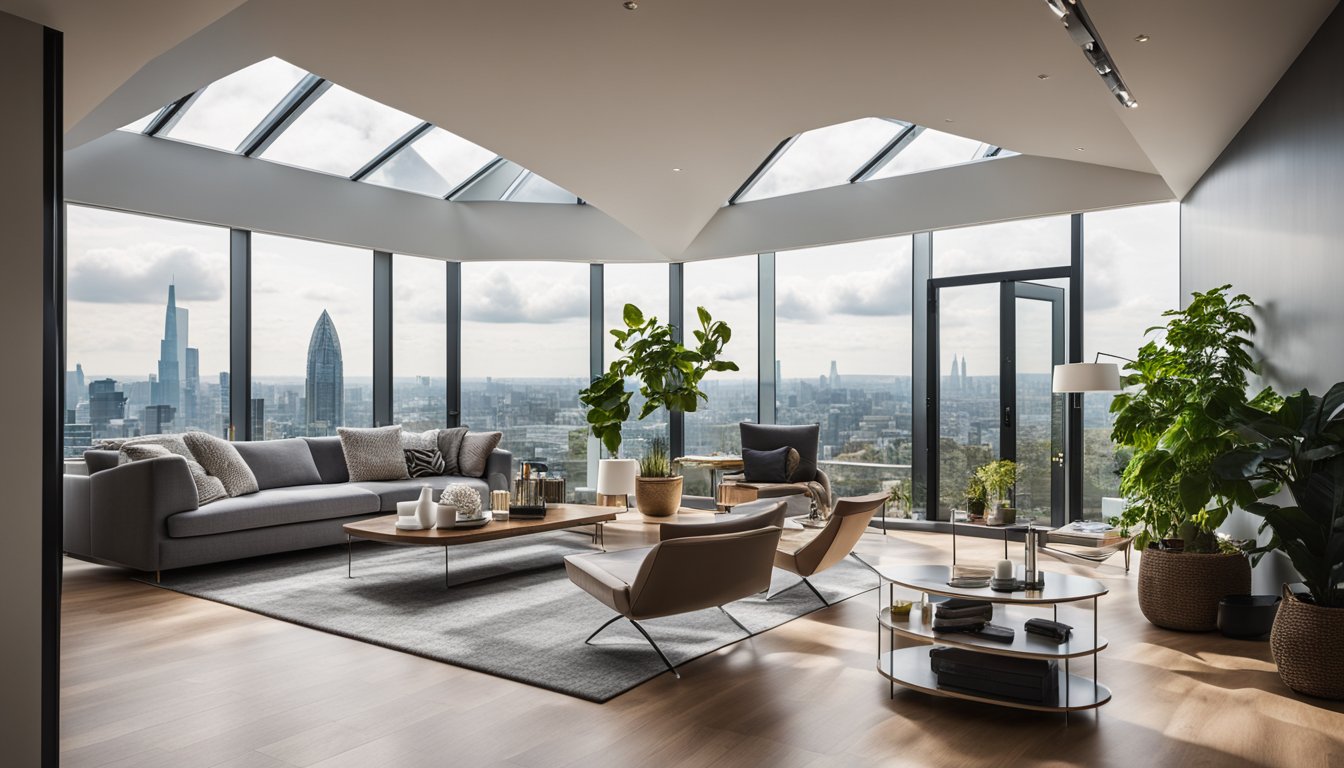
[1308, 646]
[1181, 590]
[658, 496]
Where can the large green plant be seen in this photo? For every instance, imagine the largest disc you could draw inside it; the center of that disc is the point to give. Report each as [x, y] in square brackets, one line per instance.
[1299, 446]
[1180, 388]
[668, 371]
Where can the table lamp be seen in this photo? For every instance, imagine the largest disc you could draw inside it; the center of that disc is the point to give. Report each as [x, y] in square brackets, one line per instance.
[616, 477]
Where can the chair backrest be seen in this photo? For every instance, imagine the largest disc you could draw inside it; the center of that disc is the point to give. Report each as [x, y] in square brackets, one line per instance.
[802, 438]
[772, 515]
[848, 522]
[695, 572]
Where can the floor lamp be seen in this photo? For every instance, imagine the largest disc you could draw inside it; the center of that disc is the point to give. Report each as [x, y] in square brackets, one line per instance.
[1074, 379]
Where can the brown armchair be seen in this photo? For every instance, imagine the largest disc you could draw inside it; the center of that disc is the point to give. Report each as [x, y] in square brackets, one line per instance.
[692, 567]
[808, 555]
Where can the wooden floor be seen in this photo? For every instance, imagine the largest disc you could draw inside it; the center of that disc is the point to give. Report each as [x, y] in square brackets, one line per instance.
[155, 679]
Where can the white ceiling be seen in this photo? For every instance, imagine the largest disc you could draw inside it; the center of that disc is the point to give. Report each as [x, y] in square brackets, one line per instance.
[605, 102]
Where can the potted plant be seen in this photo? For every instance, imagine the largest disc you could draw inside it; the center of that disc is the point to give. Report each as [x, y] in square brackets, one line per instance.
[976, 498]
[998, 478]
[898, 496]
[668, 372]
[1299, 446]
[1179, 389]
[657, 490]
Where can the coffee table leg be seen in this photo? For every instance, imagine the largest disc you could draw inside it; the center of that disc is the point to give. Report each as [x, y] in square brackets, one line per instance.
[349, 558]
[445, 567]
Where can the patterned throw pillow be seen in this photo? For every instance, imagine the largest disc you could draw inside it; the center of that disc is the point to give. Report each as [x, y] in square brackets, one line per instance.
[423, 462]
[174, 443]
[221, 459]
[420, 441]
[373, 454]
[450, 445]
[208, 488]
[476, 450]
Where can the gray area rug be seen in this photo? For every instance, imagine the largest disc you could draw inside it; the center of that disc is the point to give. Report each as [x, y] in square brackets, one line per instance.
[511, 611]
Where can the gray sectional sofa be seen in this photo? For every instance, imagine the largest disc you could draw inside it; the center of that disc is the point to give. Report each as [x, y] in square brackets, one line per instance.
[144, 514]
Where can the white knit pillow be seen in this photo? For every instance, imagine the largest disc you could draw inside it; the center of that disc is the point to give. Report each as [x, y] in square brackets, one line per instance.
[222, 460]
[373, 454]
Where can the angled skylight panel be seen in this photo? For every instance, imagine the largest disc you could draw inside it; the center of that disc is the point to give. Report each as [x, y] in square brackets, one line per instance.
[824, 157]
[339, 133]
[434, 164]
[532, 188]
[227, 110]
[140, 125]
[932, 149]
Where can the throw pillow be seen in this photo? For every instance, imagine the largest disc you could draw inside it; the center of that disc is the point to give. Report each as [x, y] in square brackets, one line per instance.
[476, 450]
[423, 462]
[791, 464]
[450, 445]
[766, 466]
[208, 488]
[221, 459]
[373, 454]
[174, 443]
[420, 441]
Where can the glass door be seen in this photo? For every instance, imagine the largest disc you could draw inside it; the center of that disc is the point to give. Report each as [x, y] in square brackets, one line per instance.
[995, 343]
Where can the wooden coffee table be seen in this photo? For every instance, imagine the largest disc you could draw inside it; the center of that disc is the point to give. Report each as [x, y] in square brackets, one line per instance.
[558, 517]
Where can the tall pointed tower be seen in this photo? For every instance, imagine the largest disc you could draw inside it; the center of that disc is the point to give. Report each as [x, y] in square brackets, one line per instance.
[169, 391]
[325, 387]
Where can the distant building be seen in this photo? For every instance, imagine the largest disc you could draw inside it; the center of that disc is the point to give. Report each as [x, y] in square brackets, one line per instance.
[835, 376]
[157, 419]
[258, 419]
[106, 404]
[191, 388]
[169, 389]
[324, 390]
[74, 387]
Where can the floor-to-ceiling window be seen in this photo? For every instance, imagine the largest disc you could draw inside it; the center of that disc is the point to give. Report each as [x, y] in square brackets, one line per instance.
[645, 286]
[727, 289]
[312, 337]
[843, 357]
[147, 327]
[525, 358]
[1131, 275]
[419, 342]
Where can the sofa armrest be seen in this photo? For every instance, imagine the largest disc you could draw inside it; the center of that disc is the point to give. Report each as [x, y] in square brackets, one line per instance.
[75, 514]
[499, 464]
[128, 507]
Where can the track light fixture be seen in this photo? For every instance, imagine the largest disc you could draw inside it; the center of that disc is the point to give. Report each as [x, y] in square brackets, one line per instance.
[630, 5]
[1084, 35]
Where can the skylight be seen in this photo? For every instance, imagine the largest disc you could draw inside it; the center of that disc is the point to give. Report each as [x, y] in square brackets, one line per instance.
[276, 111]
[859, 150]
[225, 112]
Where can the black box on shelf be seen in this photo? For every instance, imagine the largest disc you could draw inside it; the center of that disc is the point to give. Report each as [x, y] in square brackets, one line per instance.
[1033, 681]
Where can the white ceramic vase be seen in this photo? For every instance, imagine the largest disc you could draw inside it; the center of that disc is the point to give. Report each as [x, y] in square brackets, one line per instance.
[424, 507]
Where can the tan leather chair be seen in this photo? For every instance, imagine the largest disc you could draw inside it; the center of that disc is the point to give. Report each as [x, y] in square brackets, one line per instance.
[808, 555]
[692, 567]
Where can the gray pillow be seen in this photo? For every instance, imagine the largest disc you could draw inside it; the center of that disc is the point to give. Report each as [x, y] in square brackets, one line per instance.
[208, 488]
[373, 454]
[222, 460]
[450, 445]
[420, 441]
[476, 449]
[280, 463]
[174, 444]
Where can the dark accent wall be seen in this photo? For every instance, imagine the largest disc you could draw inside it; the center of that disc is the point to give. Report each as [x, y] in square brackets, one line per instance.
[1268, 217]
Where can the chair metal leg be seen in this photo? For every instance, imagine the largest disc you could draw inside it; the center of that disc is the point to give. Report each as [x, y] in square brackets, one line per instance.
[864, 563]
[656, 649]
[823, 600]
[610, 621]
[735, 621]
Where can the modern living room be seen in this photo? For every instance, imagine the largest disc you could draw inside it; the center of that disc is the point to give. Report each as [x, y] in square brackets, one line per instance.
[784, 383]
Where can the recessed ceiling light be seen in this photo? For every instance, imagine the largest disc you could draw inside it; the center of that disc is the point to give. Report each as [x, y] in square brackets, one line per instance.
[948, 120]
[676, 170]
[1142, 39]
[1042, 76]
[1081, 149]
[630, 5]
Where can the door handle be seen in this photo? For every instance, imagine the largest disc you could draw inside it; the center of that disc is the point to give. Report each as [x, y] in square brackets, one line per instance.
[1057, 459]
[1008, 417]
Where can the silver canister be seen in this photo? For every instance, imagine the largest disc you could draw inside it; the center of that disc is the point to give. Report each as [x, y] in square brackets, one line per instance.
[1034, 538]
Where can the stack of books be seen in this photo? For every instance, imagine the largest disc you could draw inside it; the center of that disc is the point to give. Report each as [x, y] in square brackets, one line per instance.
[1031, 681]
[962, 615]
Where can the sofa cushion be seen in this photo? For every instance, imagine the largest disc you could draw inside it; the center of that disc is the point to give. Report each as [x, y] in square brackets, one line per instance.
[222, 460]
[280, 463]
[766, 466]
[274, 506]
[329, 458]
[802, 438]
[450, 445]
[373, 454]
[475, 452]
[208, 487]
[392, 491]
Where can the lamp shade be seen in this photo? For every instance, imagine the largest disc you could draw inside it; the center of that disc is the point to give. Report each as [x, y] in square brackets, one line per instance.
[1087, 377]
[616, 477]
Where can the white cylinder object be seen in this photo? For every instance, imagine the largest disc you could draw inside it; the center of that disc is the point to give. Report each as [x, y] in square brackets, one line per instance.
[1004, 570]
[424, 507]
[445, 515]
[616, 477]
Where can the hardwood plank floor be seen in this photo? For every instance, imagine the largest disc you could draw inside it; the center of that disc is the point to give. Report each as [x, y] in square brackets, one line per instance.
[156, 679]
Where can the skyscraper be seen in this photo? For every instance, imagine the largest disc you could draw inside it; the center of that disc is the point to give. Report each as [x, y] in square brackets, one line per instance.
[74, 387]
[191, 388]
[835, 376]
[955, 383]
[324, 390]
[106, 404]
[964, 384]
[169, 389]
